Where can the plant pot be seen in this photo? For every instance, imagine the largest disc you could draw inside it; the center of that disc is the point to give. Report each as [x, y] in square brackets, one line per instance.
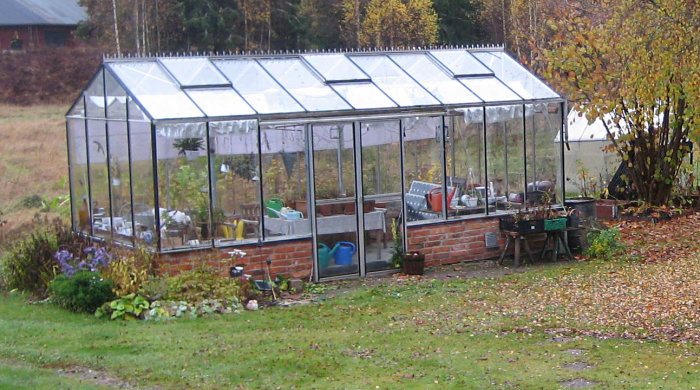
[413, 263]
[368, 206]
[349, 208]
[337, 208]
[301, 206]
[325, 209]
[191, 155]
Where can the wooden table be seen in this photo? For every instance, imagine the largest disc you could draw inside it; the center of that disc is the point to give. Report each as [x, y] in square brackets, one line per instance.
[557, 237]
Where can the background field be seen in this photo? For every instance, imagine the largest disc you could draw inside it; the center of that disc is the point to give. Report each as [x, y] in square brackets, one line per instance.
[33, 164]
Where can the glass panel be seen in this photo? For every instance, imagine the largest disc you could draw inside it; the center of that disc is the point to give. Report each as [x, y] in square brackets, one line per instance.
[466, 162]
[116, 98]
[336, 219]
[516, 76]
[434, 79]
[489, 89]
[99, 186]
[336, 67]
[285, 181]
[394, 82]
[257, 87]
[381, 178]
[135, 111]
[183, 185]
[299, 81]
[78, 109]
[542, 126]
[192, 72]
[94, 97]
[236, 181]
[78, 175]
[220, 102]
[363, 95]
[504, 153]
[142, 178]
[422, 167]
[460, 63]
[155, 90]
[120, 181]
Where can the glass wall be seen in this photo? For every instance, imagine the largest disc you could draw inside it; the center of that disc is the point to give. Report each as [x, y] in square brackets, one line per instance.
[284, 179]
[505, 156]
[235, 180]
[423, 168]
[336, 218]
[140, 213]
[542, 125]
[466, 161]
[183, 185]
[120, 179]
[381, 181]
[79, 175]
[99, 184]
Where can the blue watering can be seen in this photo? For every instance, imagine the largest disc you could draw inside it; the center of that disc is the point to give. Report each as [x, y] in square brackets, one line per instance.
[343, 251]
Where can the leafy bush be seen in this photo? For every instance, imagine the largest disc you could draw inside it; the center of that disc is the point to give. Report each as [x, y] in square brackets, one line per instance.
[129, 269]
[83, 293]
[605, 242]
[201, 283]
[128, 307]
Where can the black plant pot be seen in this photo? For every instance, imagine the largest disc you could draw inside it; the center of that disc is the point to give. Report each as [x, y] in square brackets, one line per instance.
[413, 263]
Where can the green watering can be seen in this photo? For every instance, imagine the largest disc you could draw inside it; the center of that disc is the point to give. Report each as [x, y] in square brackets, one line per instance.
[325, 254]
[274, 204]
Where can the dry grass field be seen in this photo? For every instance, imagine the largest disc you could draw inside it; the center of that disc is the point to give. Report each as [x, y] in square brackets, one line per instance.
[32, 159]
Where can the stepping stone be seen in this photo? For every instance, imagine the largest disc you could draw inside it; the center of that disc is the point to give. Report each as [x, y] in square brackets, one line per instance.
[577, 366]
[578, 383]
[575, 352]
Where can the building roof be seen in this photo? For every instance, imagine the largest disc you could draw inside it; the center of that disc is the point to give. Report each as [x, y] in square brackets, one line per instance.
[41, 12]
[320, 84]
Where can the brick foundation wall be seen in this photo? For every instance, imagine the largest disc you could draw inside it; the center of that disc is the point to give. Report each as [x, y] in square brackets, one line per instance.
[442, 243]
[455, 241]
[290, 258]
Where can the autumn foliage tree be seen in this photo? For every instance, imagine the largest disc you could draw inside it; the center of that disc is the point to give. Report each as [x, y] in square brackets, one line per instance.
[389, 23]
[638, 61]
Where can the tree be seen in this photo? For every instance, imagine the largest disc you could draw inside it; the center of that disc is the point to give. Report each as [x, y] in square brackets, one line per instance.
[382, 23]
[636, 60]
[459, 21]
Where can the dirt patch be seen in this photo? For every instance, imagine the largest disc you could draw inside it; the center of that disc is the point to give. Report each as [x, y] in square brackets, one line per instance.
[96, 377]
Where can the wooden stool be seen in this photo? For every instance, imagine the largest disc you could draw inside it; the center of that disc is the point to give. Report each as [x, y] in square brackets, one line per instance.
[517, 238]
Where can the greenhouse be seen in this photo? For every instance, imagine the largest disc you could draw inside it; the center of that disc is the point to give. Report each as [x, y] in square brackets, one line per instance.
[322, 162]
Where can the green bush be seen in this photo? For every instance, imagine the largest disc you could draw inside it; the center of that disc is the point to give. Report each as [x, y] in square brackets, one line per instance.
[83, 293]
[603, 243]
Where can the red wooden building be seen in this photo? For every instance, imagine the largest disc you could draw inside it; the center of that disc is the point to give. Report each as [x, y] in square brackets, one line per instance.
[35, 24]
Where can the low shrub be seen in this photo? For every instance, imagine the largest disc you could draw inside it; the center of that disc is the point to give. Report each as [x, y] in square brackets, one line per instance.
[129, 269]
[201, 283]
[604, 243]
[28, 263]
[82, 293]
[128, 307]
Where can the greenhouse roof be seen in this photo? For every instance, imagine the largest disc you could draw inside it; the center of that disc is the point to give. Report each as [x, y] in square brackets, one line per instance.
[315, 84]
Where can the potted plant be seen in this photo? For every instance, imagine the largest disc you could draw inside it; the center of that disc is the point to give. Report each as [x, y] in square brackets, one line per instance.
[189, 147]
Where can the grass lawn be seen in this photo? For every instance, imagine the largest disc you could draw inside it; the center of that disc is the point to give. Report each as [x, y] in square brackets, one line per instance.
[459, 333]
